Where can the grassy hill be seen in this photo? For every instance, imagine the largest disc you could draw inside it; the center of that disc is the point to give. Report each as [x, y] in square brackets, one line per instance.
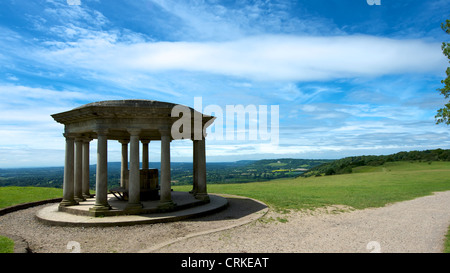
[367, 186]
[10, 196]
[347, 164]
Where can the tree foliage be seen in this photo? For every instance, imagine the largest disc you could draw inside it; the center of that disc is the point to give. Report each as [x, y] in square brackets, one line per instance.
[443, 114]
[345, 165]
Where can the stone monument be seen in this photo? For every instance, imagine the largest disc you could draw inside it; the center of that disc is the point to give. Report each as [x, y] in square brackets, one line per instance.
[129, 122]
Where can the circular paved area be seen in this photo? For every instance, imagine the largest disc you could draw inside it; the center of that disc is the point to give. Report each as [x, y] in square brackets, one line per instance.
[187, 205]
[44, 238]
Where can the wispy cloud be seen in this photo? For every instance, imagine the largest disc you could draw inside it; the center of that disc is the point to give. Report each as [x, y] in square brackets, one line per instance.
[214, 20]
[262, 58]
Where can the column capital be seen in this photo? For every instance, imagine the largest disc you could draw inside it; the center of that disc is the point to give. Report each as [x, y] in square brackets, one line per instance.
[124, 141]
[134, 131]
[145, 141]
[165, 131]
[87, 139]
[79, 139]
[202, 137]
[102, 131]
[69, 136]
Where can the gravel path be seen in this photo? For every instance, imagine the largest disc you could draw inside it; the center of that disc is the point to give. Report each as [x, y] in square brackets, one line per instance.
[43, 238]
[418, 225]
[415, 226]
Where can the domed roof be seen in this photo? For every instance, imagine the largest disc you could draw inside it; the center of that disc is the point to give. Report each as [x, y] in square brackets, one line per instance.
[120, 115]
[129, 103]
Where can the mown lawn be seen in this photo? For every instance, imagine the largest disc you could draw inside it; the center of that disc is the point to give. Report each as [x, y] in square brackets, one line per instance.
[6, 245]
[447, 242]
[367, 187]
[10, 196]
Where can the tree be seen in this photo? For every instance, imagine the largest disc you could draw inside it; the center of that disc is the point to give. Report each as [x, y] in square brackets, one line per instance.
[443, 114]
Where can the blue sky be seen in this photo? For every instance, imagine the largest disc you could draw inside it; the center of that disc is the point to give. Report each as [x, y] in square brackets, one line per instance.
[349, 78]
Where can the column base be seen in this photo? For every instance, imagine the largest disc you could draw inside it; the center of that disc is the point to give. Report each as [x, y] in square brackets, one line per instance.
[202, 196]
[80, 199]
[166, 205]
[86, 196]
[133, 207]
[67, 203]
[97, 210]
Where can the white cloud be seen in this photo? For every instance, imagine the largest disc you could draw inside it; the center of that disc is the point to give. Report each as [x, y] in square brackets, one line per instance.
[263, 58]
[25, 98]
[219, 21]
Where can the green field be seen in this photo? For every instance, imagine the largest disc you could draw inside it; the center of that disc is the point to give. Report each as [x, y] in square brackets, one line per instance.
[6, 245]
[367, 186]
[447, 242]
[10, 196]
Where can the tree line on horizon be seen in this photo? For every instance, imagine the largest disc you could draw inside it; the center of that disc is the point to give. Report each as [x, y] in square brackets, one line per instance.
[346, 165]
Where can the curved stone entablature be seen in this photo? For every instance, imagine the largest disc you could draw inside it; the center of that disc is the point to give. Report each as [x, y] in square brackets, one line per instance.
[130, 122]
[119, 116]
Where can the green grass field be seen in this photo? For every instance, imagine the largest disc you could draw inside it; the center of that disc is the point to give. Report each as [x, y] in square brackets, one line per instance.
[6, 245]
[10, 196]
[447, 242]
[365, 187]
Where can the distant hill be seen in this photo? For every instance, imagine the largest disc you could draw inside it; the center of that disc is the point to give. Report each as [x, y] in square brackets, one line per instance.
[258, 170]
[345, 165]
[181, 172]
[242, 171]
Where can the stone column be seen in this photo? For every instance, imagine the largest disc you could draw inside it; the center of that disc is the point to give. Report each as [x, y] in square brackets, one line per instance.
[165, 202]
[124, 165]
[85, 180]
[68, 193]
[145, 143]
[134, 185]
[78, 175]
[101, 185]
[201, 171]
[194, 167]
